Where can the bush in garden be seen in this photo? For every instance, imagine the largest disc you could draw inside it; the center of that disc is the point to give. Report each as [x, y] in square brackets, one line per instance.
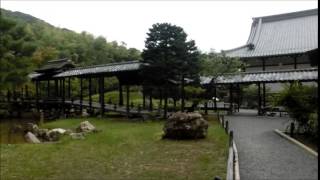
[300, 101]
[313, 124]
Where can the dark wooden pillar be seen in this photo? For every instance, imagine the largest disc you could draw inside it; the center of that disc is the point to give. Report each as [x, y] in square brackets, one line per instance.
[150, 101]
[264, 94]
[143, 98]
[182, 94]
[295, 62]
[259, 99]
[81, 94]
[48, 88]
[63, 95]
[56, 88]
[90, 94]
[128, 99]
[165, 110]
[69, 87]
[101, 95]
[231, 98]
[120, 94]
[27, 91]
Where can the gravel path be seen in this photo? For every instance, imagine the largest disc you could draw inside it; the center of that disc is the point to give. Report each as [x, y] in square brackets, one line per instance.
[263, 154]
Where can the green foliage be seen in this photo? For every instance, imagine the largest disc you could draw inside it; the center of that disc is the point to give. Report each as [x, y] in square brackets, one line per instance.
[194, 93]
[169, 55]
[300, 101]
[28, 42]
[313, 124]
[213, 64]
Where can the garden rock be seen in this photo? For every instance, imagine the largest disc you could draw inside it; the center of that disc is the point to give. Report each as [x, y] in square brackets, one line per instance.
[53, 135]
[77, 136]
[59, 130]
[85, 126]
[185, 126]
[31, 138]
[30, 127]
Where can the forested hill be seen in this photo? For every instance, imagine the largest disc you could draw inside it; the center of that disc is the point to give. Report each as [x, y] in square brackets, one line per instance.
[28, 42]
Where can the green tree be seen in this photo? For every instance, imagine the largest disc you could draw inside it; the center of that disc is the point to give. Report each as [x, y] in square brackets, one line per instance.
[170, 57]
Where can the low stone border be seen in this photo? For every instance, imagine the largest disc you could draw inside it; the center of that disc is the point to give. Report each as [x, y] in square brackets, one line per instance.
[294, 141]
[233, 172]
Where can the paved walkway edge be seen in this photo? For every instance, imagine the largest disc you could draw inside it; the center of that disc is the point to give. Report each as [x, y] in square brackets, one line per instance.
[296, 142]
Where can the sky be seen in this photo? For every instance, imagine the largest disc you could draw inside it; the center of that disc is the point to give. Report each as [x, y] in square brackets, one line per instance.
[218, 25]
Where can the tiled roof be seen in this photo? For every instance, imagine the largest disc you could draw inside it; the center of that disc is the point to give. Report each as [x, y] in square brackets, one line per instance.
[283, 34]
[310, 74]
[55, 65]
[106, 68]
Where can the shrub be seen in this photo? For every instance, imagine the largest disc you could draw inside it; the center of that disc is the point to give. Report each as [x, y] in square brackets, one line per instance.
[300, 102]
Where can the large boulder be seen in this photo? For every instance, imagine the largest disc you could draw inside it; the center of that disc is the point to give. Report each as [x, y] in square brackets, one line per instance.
[185, 126]
[85, 127]
[31, 138]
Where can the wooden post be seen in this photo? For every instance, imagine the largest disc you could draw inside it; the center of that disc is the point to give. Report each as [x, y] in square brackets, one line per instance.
[27, 92]
[259, 99]
[291, 129]
[143, 98]
[48, 88]
[63, 95]
[81, 94]
[101, 89]
[231, 99]
[56, 87]
[295, 62]
[150, 101]
[227, 127]
[120, 94]
[69, 87]
[215, 98]
[182, 93]
[90, 94]
[165, 105]
[230, 138]
[206, 107]
[128, 99]
[264, 94]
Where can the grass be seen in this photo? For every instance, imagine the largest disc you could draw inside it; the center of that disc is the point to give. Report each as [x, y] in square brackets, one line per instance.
[123, 150]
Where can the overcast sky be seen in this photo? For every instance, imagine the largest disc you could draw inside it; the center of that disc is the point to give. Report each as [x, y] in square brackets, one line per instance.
[212, 24]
